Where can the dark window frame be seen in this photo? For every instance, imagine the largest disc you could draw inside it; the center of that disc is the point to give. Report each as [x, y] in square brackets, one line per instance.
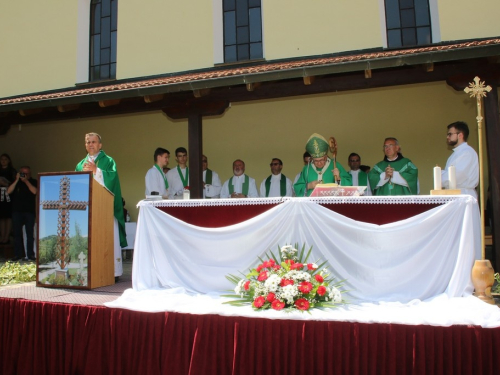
[103, 40]
[242, 30]
[410, 23]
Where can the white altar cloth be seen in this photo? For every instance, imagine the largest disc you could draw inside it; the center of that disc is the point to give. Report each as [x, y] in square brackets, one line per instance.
[389, 269]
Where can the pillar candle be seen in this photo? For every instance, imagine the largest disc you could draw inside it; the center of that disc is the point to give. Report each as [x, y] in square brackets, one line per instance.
[452, 176]
[437, 178]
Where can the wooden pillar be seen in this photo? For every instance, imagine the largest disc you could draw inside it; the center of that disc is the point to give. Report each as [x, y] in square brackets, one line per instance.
[492, 127]
[195, 145]
[194, 110]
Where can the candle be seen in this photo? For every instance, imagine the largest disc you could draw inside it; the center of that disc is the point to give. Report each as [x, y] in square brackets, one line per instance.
[437, 178]
[452, 176]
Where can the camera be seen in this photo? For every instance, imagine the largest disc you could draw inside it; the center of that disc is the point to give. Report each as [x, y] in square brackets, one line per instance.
[23, 175]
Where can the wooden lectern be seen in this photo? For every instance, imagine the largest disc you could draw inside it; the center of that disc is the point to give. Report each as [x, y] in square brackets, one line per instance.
[75, 232]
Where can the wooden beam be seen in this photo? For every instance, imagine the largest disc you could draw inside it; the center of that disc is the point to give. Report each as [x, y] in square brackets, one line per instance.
[368, 73]
[201, 92]
[195, 145]
[492, 127]
[108, 103]
[177, 110]
[153, 98]
[253, 86]
[67, 107]
[309, 80]
[28, 112]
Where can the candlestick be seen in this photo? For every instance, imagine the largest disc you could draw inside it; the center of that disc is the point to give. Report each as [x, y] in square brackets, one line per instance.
[437, 178]
[452, 176]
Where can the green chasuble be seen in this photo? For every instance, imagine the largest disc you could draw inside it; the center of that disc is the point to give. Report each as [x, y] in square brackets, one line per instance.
[310, 173]
[110, 175]
[407, 170]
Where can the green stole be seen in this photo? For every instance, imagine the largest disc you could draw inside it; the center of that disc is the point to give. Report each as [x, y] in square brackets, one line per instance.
[163, 175]
[282, 185]
[208, 177]
[362, 179]
[183, 179]
[244, 187]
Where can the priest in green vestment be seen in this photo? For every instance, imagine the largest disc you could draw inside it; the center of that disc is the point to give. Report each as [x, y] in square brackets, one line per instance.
[104, 171]
[395, 175]
[321, 170]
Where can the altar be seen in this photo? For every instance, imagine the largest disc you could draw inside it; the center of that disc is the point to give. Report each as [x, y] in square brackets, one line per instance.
[429, 252]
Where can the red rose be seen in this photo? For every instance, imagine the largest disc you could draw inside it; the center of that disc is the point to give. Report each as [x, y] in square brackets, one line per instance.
[296, 266]
[262, 276]
[277, 305]
[321, 290]
[271, 297]
[319, 278]
[305, 287]
[302, 304]
[285, 282]
[311, 266]
[247, 285]
[259, 302]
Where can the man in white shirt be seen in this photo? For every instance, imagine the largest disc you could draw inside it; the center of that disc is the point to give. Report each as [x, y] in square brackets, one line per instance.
[178, 178]
[359, 178]
[240, 185]
[211, 181]
[277, 184]
[464, 158]
[156, 181]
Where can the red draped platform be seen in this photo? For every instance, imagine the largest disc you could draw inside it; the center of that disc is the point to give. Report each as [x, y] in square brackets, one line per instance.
[49, 338]
[54, 338]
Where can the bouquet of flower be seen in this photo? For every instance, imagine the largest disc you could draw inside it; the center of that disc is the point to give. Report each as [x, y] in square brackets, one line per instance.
[287, 282]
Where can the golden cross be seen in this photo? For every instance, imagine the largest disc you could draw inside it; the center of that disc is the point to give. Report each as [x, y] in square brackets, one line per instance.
[478, 90]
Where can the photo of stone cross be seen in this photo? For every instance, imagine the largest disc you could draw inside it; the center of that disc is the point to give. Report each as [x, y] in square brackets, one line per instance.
[63, 205]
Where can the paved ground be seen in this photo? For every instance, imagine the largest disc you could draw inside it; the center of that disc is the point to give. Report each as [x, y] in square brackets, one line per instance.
[82, 297]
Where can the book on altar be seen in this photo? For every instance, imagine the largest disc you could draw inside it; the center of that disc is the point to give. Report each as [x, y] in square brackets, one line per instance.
[334, 190]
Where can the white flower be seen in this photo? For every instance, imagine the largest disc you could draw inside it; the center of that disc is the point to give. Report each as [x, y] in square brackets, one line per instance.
[314, 266]
[335, 295]
[297, 275]
[272, 282]
[288, 292]
[239, 287]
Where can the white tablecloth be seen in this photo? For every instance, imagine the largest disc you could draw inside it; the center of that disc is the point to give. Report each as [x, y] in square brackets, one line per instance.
[412, 272]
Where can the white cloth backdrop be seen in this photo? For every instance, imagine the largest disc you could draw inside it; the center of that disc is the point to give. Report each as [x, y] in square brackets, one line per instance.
[389, 269]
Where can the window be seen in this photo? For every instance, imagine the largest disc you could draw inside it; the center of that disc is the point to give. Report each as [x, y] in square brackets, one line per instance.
[242, 30]
[103, 27]
[408, 23]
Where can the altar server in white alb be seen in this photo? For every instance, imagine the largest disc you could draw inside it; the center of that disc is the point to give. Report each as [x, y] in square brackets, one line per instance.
[359, 177]
[178, 178]
[211, 181]
[277, 184]
[156, 180]
[464, 158]
[240, 185]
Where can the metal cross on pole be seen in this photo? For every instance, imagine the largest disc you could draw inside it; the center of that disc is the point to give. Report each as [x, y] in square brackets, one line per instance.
[478, 90]
[63, 205]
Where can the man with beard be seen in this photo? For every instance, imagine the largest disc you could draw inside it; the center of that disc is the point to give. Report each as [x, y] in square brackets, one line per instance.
[240, 185]
[464, 158]
[395, 175]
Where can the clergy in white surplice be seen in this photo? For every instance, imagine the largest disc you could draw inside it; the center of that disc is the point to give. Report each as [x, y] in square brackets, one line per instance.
[359, 177]
[156, 180]
[178, 178]
[240, 185]
[211, 181]
[464, 159]
[277, 184]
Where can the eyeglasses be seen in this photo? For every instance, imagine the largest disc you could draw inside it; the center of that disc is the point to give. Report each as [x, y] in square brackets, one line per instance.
[450, 134]
[354, 161]
[274, 164]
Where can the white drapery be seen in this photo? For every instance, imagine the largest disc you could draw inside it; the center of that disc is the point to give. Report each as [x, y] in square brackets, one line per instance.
[418, 258]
